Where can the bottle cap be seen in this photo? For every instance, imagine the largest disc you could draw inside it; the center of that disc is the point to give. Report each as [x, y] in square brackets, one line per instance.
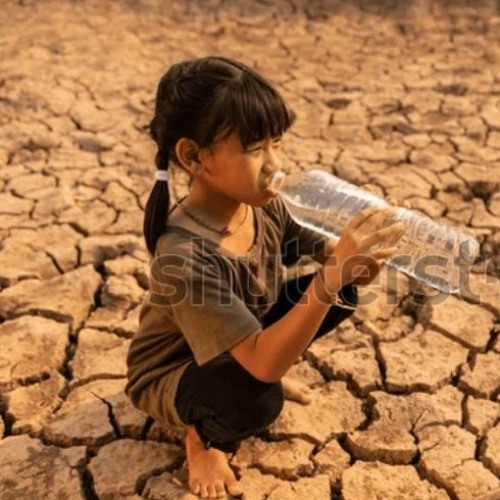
[276, 181]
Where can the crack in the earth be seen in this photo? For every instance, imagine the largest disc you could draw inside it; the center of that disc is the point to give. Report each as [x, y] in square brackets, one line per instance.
[339, 376]
[111, 416]
[25, 381]
[435, 480]
[413, 431]
[480, 451]
[494, 334]
[54, 261]
[293, 476]
[92, 378]
[465, 423]
[379, 358]
[472, 349]
[69, 353]
[342, 440]
[142, 479]
[285, 436]
[7, 418]
[86, 478]
[369, 409]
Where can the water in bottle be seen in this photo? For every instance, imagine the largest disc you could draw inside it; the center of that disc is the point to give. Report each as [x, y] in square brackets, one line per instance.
[433, 253]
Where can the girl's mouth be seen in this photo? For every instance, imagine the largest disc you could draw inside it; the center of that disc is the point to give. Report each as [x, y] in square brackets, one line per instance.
[266, 188]
[272, 183]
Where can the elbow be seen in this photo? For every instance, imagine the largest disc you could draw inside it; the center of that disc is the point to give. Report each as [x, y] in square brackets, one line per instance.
[254, 361]
[261, 374]
[268, 375]
[268, 378]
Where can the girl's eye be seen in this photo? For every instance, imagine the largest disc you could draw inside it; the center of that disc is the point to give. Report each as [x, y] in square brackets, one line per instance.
[255, 148]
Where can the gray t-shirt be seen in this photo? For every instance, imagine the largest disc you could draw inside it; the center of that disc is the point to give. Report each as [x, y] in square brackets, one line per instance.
[203, 300]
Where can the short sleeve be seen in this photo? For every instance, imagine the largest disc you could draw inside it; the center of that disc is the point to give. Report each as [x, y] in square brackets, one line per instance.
[200, 298]
[297, 240]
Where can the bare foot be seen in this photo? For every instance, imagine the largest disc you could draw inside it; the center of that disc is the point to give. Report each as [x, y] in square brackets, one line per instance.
[209, 473]
[294, 390]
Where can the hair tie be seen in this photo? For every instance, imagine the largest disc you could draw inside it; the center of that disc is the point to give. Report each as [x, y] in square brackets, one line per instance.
[161, 175]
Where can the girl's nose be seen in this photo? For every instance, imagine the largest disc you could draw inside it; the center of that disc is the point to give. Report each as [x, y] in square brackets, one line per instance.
[272, 163]
[270, 169]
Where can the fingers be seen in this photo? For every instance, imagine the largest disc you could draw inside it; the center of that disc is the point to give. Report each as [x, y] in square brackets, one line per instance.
[368, 187]
[396, 203]
[384, 253]
[375, 220]
[361, 216]
[389, 235]
[366, 214]
[389, 199]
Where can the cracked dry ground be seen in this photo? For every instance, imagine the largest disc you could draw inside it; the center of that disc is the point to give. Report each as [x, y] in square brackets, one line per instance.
[403, 96]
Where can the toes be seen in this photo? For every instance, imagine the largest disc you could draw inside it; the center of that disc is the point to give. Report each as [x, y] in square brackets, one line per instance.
[211, 491]
[302, 396]
[204, 492]
[305, 398]
[294, 390]
[220, 490]
[234, 488]
[195, 488]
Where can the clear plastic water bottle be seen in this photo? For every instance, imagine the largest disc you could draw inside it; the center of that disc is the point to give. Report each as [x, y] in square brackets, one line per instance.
[431, 252]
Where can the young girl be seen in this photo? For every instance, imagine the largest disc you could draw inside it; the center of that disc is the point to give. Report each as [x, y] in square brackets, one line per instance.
[219, 329]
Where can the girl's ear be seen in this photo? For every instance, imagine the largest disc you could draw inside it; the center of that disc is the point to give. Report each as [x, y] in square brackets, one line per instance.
[188, 155]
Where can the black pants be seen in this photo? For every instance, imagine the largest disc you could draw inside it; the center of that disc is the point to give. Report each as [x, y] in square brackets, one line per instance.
[224, 402]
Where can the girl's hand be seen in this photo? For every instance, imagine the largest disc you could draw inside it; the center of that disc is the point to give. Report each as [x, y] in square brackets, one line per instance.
[364, 243]
[373, 269]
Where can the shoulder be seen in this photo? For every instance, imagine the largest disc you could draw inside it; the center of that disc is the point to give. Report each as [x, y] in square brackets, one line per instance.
[176, 242]
[276, 211]
[181, 253]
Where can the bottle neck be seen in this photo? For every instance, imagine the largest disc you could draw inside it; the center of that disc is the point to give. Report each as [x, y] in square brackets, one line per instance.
[277, 181]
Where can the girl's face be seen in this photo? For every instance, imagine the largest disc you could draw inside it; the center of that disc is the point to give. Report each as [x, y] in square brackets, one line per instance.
[242, 174]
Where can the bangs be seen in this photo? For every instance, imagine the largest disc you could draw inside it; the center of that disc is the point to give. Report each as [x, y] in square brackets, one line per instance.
[252, 108]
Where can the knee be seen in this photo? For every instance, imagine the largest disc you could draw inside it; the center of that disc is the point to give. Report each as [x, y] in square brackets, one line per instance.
[260, 409]
[246, 403]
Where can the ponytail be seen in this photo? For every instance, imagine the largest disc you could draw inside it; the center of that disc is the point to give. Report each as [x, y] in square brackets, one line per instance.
[157, 206]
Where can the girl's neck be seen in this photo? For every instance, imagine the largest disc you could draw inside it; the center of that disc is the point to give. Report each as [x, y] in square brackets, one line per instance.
[218, 210]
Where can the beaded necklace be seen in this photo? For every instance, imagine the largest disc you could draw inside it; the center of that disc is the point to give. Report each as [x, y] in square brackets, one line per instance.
[225, 231]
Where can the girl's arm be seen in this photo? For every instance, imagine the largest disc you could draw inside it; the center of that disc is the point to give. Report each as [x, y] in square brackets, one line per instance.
[371, 271]
[324, 253]
[269, 354]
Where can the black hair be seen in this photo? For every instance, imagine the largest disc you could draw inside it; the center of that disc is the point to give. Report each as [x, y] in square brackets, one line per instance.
[204, 100]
